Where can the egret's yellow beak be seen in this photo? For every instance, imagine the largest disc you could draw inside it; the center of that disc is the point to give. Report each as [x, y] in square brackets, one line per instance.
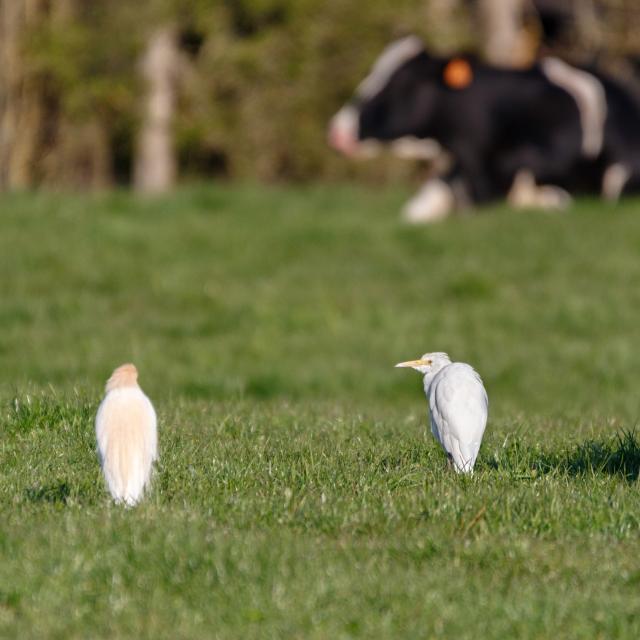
[413, 363]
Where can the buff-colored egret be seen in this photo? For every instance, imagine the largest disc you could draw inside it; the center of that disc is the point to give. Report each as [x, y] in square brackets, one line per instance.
[458, 406]
[126, 430]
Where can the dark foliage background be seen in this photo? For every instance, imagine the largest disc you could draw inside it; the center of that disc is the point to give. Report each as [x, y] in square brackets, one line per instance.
[255, 84]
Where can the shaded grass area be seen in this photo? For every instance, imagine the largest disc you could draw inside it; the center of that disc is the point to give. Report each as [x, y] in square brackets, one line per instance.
[619, 456]
[297, 494]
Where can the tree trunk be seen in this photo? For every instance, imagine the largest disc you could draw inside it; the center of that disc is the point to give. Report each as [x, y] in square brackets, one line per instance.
[22, 104]
[37, 145]
[506, 42]
[155, 162]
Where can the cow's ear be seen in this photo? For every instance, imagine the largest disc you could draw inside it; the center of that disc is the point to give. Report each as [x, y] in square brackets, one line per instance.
[457, 73]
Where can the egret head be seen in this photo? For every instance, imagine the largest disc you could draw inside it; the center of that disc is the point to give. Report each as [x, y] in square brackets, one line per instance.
[428, 363]
[125, 375]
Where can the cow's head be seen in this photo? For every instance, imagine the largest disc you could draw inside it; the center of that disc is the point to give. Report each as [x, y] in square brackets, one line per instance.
[393, 103]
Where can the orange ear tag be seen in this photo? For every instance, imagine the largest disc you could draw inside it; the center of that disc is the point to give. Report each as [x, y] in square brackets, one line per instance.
[457, 74]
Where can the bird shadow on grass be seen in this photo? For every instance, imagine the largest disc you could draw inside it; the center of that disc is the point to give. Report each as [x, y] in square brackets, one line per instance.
[54, 493]
[615, 456]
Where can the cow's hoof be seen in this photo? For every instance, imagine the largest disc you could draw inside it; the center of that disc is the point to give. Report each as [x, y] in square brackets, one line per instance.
[553, 198]
[526, 194]
[435, 201]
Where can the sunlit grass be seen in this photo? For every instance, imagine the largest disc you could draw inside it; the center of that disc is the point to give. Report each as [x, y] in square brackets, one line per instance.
[298, 494]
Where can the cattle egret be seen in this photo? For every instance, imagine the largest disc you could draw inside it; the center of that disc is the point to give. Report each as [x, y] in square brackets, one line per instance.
[127, 436]
[458, 406]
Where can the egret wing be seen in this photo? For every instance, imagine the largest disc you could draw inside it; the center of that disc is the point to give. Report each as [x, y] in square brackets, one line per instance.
[458, 406]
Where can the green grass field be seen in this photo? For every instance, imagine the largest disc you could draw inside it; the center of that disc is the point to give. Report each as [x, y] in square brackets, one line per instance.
[298, 494]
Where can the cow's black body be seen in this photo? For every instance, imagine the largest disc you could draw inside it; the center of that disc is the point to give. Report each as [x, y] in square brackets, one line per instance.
[622, 129]
[502, 122]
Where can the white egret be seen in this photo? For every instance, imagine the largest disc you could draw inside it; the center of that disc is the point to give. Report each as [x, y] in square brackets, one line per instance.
[126, 430]
[458, 406]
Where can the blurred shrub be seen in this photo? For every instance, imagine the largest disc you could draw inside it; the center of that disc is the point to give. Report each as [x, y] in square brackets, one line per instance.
[259, 80]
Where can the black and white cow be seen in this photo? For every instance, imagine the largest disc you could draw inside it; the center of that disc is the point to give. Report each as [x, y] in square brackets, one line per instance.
[508, 132]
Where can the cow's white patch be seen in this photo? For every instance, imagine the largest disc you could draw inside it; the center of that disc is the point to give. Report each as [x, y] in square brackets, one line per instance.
[525, 193]
[412, 148]
[390, 60]
[590, 97]
[343, 135]
[614, 179]
[433, 202]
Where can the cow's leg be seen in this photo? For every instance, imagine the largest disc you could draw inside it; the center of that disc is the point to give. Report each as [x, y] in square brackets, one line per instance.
[435, 201]
[614, 179]
[477, 177]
